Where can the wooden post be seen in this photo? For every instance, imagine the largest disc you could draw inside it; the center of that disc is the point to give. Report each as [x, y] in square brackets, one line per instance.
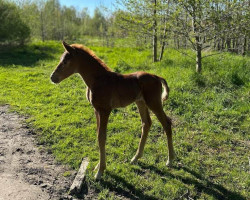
[76, 187]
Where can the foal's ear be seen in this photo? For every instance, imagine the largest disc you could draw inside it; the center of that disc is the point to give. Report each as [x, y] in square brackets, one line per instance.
[68, 48]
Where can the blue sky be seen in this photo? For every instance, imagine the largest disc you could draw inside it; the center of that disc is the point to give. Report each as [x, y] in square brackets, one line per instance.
[90, 4]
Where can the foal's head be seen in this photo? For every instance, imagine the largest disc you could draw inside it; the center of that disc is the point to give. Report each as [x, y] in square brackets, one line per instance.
[68, 64]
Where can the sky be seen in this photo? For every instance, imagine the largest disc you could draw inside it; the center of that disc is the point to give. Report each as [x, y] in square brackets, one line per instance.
[90, 4]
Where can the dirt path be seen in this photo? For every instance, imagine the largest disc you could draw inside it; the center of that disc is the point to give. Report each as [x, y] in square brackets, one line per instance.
[26, 171]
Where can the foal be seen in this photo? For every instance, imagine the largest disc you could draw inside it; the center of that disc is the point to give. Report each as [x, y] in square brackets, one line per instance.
[107, 90]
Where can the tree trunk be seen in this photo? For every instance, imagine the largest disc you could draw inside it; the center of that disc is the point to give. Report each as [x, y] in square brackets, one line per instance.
[177, 42]
[218, 45]
[186, 43]
[222, 44]
[186, 22]
[244, 46]
[215, 42]
[237, 46]
[234, 46]
[228, 44]
[198, 55]
[198, 44]
[162, 48]
[163, 39]
[248, 46]
[154, 34]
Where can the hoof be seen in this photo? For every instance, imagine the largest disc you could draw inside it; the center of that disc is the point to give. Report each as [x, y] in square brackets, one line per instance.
[98, 175]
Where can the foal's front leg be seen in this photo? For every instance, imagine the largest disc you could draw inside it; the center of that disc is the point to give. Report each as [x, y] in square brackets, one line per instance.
[102, 121]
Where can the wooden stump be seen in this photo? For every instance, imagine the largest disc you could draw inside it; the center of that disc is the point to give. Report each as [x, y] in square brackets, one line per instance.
[76, 187]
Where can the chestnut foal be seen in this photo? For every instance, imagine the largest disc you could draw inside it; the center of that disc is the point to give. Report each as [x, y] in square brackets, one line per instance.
[107, 90]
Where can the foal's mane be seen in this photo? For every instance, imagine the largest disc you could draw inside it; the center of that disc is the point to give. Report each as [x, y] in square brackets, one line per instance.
[85, 49]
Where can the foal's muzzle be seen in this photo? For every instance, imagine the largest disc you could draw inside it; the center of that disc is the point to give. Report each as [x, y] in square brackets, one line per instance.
[54, 78]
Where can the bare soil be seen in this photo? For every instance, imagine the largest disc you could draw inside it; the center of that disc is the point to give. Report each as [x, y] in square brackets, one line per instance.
[27, 171]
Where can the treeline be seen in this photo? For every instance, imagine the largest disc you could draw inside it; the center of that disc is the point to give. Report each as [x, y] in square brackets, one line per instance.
[48, 20]
[202, 25]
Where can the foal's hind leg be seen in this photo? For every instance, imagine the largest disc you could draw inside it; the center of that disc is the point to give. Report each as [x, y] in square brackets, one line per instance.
[98, 124]
[146, 123]
[156, 106]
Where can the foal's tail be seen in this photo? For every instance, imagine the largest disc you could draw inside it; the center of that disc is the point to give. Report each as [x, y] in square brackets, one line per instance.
[166, 89]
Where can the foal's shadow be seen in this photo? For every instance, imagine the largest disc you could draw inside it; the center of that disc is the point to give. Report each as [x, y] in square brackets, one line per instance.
[201, 184]
[125, 189]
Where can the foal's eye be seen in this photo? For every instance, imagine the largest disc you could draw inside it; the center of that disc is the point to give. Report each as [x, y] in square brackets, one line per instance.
[64, 62]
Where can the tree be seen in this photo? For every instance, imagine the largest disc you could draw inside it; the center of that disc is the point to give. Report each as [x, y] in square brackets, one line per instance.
[29, 15]
[49, 21]
[154, 37]
[85, 21]
[52, 17]
[239, 17]
[70, 26]
[147, 21]
[12, 28]
[166, 25]
[98, 24]
[197, 23]
[213, 25]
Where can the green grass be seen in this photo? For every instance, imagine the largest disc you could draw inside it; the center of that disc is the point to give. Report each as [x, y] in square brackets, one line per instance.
[210, 114]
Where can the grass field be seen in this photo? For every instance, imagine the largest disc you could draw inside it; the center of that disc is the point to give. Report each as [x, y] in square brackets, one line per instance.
[210, 113]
